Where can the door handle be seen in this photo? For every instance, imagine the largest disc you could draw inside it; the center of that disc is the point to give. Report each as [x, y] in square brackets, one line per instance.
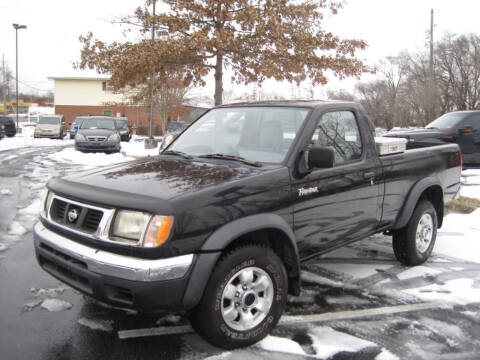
[369, 175]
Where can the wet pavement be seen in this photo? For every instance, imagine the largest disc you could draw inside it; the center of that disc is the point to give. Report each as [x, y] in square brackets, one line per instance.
[357, 302]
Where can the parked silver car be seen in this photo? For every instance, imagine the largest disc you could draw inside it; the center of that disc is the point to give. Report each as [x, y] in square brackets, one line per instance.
[50, 126]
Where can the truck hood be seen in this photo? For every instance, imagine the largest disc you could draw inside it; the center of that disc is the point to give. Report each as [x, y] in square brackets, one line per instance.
[149, 184]
[420, 133]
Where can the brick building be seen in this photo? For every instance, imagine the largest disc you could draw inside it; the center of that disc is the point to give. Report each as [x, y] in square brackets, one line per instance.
[77, 96]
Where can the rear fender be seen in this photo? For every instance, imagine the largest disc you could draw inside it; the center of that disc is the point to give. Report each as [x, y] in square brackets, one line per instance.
[412, 199]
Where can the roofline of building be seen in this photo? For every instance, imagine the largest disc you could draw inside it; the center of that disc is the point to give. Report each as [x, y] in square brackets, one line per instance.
[77, 78]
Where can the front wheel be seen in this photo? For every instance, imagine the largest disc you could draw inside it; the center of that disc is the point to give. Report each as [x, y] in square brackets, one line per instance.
[244, 298]
[414, 243]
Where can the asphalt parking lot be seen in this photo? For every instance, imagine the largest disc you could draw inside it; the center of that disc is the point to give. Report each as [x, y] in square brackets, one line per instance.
[357, 302]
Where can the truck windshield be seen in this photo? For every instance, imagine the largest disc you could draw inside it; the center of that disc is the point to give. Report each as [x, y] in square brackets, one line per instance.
[446, 121]
[257, 134]
[49, 120]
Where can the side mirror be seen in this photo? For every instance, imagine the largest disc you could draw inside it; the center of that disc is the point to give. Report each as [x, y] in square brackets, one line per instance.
[465, 130]
[320, 157]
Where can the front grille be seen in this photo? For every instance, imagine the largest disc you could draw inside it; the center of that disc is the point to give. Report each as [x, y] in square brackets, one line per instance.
[92, 220]
[75, 216]
[96, 138]
[58, 209]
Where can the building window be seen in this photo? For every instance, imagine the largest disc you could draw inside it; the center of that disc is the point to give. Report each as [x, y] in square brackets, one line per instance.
[106, 86]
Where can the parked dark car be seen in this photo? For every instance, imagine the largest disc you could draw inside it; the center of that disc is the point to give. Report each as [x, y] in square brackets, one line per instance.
[98, 133]
[75, 125]
[461, 127]
[219, 223]
[9, 123]
[2, 131]
[124, 129]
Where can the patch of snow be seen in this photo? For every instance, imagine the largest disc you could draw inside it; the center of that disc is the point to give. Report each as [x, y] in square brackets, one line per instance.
[320, 280]
[327, 342]
[3, 247]
[221, 356]
[26, 140]
[459, 291]
[169, 320]
[6, 192]
[50, 293]
[459, 236]
[16, 229]
[345, 299]
[32, 209]
[71, 156]
[101, 325]
[31, 305]
[418, 271]
[280, 344]
[470, 191]
[386, 355]
[356, 271]
[56, 305]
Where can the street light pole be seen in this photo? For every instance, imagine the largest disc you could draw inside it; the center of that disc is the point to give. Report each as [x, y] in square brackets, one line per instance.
[17, 27]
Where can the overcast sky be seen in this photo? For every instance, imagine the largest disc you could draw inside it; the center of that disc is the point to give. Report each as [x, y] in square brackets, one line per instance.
[50, 45]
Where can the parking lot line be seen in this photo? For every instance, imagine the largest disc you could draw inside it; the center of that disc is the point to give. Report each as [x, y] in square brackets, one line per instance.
[291, 320]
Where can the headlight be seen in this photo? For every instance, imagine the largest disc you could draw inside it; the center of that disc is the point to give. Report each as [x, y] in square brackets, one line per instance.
[114, 137]
[80, 137]
[130, 225]
[142, 228]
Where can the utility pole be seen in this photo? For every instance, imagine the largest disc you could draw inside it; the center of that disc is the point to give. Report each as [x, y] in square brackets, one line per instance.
[17, 27]
[431, 73]
[4, 80]
[150, 143]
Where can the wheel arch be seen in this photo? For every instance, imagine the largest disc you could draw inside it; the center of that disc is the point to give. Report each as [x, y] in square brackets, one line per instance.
[429, 189]
[264, 229]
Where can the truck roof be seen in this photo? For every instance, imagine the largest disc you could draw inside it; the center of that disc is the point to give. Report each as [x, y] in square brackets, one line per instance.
[302, 103]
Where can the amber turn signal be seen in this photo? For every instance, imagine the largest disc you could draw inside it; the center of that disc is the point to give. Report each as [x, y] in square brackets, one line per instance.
[158, 231]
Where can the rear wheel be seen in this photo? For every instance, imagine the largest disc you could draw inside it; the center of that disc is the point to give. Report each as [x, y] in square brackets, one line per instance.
[414, 243]
[244, 298]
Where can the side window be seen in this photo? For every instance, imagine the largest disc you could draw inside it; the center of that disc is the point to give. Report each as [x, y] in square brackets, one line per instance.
[339, 131]
[473, 122]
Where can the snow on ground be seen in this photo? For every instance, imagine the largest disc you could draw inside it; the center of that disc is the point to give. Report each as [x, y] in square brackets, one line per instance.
[16, 229]
[6, 192]
[56, 305]
[129, 151]
[26, 140]
[459, 291]
[279, 344]
[460, 236]
[96, 324]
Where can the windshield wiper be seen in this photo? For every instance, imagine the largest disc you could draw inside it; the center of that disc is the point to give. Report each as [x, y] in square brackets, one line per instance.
[231, 157]
[174, 152]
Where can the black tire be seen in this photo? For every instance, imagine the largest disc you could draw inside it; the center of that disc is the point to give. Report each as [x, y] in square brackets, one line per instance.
[207, 318]
[405, 240]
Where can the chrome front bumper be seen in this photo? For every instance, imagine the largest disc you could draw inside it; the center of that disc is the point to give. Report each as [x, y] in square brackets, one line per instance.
[115, 265]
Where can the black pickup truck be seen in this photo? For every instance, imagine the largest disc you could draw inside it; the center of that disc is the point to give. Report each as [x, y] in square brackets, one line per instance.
[219, 223]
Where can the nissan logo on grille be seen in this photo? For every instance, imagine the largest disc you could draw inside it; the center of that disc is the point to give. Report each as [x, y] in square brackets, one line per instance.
[72, 215]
